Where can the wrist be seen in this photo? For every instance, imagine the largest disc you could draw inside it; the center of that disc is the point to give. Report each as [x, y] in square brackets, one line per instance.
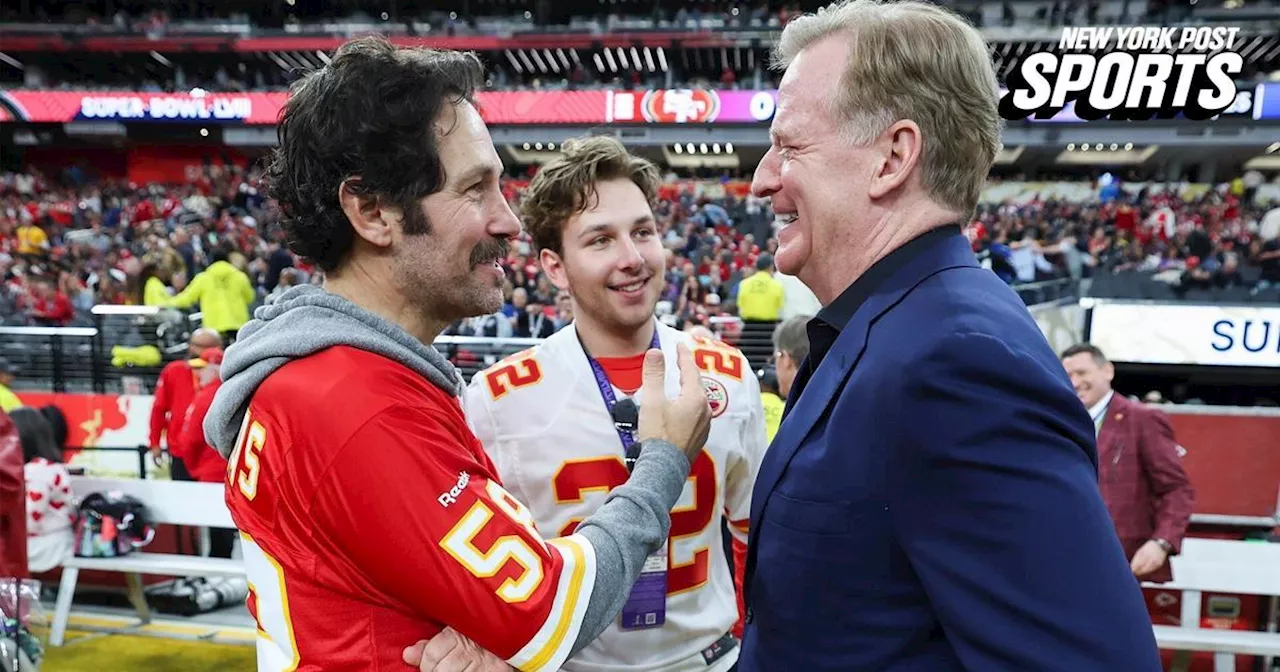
[1164, 545]
[655, 446]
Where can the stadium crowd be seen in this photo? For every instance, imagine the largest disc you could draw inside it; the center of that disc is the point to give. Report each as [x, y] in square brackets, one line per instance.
[176, 71]
[69, 242]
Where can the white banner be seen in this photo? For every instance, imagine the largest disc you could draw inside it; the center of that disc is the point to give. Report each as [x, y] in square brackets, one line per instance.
[1062, 324]
[1195, 335]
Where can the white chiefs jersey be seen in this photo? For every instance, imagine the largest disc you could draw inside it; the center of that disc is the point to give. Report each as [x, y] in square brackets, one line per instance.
[544, 423]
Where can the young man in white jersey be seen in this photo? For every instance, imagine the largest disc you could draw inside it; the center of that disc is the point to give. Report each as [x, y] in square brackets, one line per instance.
[556, 419]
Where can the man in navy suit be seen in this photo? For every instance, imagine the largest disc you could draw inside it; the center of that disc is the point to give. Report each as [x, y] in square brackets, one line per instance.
[931, 499]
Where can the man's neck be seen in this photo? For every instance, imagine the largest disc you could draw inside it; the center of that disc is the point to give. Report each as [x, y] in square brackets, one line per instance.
[372, 293]
[603, 342]
[1100, 404]
[894, 230]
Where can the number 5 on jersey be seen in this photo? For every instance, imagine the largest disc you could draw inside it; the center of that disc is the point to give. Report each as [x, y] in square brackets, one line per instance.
[249, 446]
[460, 542]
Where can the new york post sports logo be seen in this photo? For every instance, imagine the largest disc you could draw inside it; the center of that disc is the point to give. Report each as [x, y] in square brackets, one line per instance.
[1128, 74]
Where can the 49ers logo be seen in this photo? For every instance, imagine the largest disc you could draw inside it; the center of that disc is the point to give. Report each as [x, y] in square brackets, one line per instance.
[680, 106]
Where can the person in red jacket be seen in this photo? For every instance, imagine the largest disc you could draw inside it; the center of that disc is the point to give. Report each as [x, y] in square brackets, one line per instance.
[174, 392]
[203, 463]
[13, 492]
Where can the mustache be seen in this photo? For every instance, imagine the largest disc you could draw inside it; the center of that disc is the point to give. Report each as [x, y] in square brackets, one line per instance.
[486, 251]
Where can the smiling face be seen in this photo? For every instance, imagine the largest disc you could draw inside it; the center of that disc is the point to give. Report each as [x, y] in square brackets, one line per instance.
[453, 269]
[1091, 379]
[817, 183]
[611, 259]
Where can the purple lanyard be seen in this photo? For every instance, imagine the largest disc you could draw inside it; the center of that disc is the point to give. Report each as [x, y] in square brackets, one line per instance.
[624, 422]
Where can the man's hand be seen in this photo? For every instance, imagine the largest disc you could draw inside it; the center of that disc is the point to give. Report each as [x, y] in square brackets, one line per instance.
[684, 421]
[1149, 558]
[451, 652]
[156, 455]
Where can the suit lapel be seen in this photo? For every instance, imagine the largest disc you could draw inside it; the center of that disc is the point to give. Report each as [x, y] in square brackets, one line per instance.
[816, 398]
[1111, 434]
[801, 382]
[829, 378]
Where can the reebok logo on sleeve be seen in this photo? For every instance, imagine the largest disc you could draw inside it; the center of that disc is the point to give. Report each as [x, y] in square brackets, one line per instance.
[1128, 74]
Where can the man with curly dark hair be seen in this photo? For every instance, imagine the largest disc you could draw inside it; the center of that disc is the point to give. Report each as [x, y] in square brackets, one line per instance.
[370, 515]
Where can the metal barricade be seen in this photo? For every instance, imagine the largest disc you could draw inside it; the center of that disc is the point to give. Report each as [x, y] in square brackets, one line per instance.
[1034, 293]
[67, 358]
[142, 452]
[80, 359]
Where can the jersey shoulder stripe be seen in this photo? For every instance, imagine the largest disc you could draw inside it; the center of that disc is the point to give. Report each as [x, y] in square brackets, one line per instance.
[550, 646]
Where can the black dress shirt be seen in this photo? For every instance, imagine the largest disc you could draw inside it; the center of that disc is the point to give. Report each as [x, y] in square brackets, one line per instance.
[825, 327]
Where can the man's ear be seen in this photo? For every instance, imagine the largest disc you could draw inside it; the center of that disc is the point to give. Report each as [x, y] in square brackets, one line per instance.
[369, 215]
[553, 266]
[902, 144]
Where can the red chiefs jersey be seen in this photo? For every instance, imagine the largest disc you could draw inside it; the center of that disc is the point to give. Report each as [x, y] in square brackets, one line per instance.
[175, 389]
[202, 461]
[371, 518]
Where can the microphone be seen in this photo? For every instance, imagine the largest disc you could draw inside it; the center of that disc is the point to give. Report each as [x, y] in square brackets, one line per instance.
[626, 418]
[626, 415]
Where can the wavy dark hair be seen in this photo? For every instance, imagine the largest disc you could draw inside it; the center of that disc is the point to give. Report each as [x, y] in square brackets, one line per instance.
[57, 422]
[368, 114]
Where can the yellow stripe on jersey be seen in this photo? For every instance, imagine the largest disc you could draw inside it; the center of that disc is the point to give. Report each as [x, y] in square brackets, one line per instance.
[277, 646]
[551, 645]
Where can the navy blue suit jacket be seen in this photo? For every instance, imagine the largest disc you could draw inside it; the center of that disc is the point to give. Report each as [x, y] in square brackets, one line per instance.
[931, 500]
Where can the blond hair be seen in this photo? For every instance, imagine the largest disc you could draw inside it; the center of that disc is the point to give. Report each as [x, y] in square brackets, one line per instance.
[917, 61]
[566, 185]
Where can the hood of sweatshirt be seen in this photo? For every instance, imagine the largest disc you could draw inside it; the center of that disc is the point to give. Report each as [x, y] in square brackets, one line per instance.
[221, 269]
[303, 321]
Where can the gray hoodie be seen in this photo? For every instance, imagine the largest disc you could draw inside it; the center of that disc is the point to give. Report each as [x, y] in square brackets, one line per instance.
[632, 523]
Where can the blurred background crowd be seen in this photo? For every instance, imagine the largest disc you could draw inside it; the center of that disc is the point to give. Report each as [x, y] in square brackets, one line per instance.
[135, 237]
[70, 241]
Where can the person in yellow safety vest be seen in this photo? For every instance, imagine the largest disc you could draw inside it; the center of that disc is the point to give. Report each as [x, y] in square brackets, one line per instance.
[760, 295]
[224, 293]
[8, 400]
[155, 291]
[771, 400]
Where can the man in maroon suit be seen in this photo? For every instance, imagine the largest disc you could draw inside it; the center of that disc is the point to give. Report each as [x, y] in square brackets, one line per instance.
[1139, 467]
